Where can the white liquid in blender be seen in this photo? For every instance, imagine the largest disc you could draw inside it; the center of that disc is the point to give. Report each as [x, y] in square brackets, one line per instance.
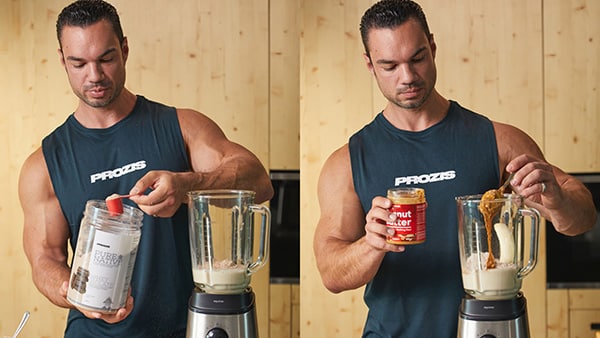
[224, 280]
[498, 283]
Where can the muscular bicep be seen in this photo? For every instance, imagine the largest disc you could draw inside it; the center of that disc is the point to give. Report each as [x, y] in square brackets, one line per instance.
[207, 146]
[512, 142]
[342, 218]
[45, 230]
[220, 162]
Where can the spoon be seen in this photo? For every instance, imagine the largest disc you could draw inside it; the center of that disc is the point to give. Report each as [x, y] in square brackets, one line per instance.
[506, 183]
[21, 324]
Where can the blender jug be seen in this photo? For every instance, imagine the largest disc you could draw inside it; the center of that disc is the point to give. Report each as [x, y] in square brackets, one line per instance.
[226, 247]
[492, 249]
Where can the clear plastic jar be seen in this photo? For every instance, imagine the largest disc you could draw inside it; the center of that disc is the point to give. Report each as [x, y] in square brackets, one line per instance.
[104, 257]
[409, 205]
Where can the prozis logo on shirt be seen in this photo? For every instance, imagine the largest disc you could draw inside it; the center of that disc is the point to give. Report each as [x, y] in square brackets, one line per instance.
[118, 172]
[425, 178]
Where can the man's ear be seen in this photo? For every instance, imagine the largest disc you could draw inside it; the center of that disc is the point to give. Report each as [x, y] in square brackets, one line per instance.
[368, 62]
[61, 56]
[125, 49]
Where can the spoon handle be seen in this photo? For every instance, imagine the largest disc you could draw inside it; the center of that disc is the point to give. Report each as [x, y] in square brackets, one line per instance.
[21, 324]
[507, 182]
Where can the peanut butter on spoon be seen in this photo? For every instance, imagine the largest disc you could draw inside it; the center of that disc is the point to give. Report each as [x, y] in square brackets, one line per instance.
[489, 209]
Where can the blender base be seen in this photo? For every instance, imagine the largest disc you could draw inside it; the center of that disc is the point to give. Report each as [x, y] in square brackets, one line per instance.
[222, 316]
[493, 318]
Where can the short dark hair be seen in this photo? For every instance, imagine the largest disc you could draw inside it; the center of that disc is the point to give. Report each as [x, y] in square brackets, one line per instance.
[390, 14]
[83, 13]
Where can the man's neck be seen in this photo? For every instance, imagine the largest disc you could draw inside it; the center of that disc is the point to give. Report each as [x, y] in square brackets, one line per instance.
[431, 112]
[105, 117]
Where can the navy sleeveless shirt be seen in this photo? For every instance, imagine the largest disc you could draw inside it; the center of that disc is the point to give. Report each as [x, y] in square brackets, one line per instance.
[89, 164]
[417, 293]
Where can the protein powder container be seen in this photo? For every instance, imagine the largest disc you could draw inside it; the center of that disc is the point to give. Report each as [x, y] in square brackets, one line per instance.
[409, 205]
[104, 258]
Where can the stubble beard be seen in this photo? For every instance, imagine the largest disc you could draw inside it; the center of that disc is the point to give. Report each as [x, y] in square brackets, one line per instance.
[101, 103]
[411, 104]
[105, 102]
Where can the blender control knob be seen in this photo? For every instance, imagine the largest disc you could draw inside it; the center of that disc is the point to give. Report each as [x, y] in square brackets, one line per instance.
[217, 332]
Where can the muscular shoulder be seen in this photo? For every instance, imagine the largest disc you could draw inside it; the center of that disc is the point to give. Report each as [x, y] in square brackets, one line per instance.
[197, 127]
[337, 162]
[512, 142]
[336, 174]
[35, 164]
[191, 117]
[34, 179]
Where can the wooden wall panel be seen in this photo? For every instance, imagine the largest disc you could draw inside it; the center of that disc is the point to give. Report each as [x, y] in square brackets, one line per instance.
[295, 311]
[572, 84]
[584, 299]
[284, 72]
[280, 310]
[558, 313]
[211, 56]
[581, 323]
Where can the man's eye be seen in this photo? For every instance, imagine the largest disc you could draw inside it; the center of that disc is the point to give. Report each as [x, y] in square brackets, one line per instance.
[106, 60]
[78, 65]
[389, 68]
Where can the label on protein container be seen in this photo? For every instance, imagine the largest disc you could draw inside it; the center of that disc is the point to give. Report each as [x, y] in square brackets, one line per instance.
[102, 274]
[409, 207]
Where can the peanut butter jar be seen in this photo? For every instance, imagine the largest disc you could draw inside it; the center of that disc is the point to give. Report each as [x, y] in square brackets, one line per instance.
[409, 206]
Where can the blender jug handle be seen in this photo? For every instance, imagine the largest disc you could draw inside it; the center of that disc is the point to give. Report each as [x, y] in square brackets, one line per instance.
[535, 217]
[265, 228]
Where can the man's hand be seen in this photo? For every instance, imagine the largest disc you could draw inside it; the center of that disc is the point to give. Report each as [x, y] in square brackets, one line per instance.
[376, 228]
[168, 192]
[535, 180]
[110, 318]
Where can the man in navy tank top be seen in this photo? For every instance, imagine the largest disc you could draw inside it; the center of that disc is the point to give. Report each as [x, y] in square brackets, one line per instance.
[119, 142]
[422, 140]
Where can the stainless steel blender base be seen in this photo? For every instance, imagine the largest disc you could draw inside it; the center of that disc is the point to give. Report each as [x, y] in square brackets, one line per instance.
[222, 326]
[222, 316]
[505, 318]
[516, 328]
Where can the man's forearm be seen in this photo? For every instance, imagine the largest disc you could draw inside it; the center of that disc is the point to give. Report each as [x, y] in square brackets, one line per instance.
[48, 277]
[346, 266]
[243, 174]
[578, 213]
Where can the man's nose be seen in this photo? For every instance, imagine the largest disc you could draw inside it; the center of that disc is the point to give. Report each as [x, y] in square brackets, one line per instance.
[407, 74]
[96, 74]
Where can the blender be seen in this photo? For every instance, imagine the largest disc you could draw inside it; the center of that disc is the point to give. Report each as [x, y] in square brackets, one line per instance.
[226, 249]
[491, 237]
